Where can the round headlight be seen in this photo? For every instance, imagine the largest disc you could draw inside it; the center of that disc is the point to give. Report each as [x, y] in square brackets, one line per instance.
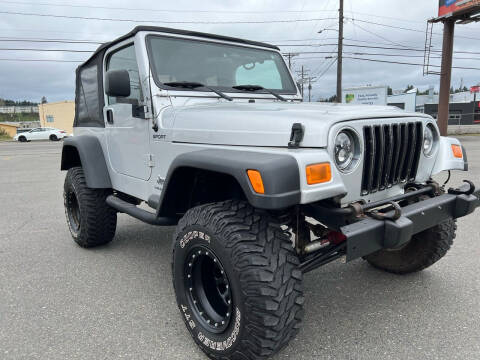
[344, 150]
[428, 140]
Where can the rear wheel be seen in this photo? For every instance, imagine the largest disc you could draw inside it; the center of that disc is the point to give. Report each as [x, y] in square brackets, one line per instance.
[90, 220]
[22, 139]
[423, 250]
[237, 281]
[53, 137]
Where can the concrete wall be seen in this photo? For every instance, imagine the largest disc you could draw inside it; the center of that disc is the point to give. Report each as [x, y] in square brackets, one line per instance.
[58, 115]
[11, 130]
[463, 129]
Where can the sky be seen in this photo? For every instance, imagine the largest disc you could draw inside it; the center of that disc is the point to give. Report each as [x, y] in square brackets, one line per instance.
[378, 23]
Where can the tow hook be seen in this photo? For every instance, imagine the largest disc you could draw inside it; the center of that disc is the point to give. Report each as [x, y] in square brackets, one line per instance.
[461, 190]
[380, 216]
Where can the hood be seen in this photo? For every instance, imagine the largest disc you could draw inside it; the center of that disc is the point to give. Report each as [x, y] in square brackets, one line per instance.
[267, 124]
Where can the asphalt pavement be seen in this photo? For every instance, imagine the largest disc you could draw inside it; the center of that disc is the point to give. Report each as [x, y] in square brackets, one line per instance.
[58, 301]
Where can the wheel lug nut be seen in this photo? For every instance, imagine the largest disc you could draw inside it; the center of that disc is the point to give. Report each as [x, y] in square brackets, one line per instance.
[190, 264]
[208, 321]
[216, 324]
[223, 322]
[191, 289]
[189, 276]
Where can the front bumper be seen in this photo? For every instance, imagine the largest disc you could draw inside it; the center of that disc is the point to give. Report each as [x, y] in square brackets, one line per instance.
[370, 235]
[367, 235]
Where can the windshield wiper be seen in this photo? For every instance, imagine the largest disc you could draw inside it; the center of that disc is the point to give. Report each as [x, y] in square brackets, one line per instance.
[258, 87]
[194, 85]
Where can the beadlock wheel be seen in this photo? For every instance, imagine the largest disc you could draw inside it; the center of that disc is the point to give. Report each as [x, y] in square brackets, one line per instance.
[208, 289]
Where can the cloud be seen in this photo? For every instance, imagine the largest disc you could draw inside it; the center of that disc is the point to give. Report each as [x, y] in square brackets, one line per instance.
[32, 80]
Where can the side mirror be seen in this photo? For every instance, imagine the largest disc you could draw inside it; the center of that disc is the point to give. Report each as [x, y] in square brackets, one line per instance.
[117, 83]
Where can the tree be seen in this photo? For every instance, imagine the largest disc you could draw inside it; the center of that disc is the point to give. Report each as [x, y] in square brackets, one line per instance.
[44, 100]
[409, 87]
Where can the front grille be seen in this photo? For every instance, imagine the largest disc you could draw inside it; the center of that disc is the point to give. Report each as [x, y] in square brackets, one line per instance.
[391, 156]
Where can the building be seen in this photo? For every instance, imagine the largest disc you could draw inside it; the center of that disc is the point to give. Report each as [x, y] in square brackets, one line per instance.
[18, 109]
[464, 106]
[459, 113]
[57, 115]
[406, 101]
[10, 129]
[7, 109]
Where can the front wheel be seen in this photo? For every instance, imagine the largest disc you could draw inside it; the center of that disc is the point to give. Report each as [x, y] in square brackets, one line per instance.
[53, 137]
[423, 250]
[237, 281]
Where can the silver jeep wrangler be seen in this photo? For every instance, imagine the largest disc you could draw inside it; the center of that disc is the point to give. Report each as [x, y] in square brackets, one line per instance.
[211, 133]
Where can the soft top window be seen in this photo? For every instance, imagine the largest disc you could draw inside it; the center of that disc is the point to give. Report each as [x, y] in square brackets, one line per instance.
[89, 99]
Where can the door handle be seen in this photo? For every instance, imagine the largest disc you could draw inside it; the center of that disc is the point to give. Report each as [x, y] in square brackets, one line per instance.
[110, 116]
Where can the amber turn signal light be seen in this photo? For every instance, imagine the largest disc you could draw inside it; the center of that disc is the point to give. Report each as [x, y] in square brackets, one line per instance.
[457, 151]
[256, 180]
[319, 173]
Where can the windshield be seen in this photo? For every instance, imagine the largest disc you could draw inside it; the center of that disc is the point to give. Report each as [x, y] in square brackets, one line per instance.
[217, 65]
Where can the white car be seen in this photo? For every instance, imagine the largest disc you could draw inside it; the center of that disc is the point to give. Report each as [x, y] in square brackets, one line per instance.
[41, 134]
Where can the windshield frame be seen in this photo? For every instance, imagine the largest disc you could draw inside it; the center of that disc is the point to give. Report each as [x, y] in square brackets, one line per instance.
[223, 89]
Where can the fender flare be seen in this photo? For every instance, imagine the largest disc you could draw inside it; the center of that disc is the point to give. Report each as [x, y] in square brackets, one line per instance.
[86, 151]
[279, 173]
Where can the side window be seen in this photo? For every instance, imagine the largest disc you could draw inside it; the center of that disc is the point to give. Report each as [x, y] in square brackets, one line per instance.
[125, 59]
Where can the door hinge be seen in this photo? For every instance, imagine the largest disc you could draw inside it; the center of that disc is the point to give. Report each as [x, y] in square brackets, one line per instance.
[150, 161]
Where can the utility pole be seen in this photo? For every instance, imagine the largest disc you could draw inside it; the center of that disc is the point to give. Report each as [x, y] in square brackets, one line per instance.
[340, 53]
[303, 80]
[446, 76]
[289, 56]
[311, 79]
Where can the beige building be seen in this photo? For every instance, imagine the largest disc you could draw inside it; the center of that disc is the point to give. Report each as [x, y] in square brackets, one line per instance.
[10, 129]
[58, 115]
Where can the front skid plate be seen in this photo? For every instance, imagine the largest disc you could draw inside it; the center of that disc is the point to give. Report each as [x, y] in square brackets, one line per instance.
[369, 235]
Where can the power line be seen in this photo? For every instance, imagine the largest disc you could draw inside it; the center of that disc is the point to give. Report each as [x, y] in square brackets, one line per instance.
[328, 68]
[269, 11]
[47, 50]
[372, 47]
[377, 35]
[162, 21]
[61, 41]
[379, 54]
[43, 60]
[405, 63]
[164, 10]
[407, 29]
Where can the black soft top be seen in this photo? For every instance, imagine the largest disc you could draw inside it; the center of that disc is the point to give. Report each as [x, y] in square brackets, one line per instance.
[89, 98]
[137, 29]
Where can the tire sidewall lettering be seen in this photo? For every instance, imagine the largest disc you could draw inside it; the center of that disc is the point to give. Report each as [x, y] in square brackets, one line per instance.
[222, 343]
